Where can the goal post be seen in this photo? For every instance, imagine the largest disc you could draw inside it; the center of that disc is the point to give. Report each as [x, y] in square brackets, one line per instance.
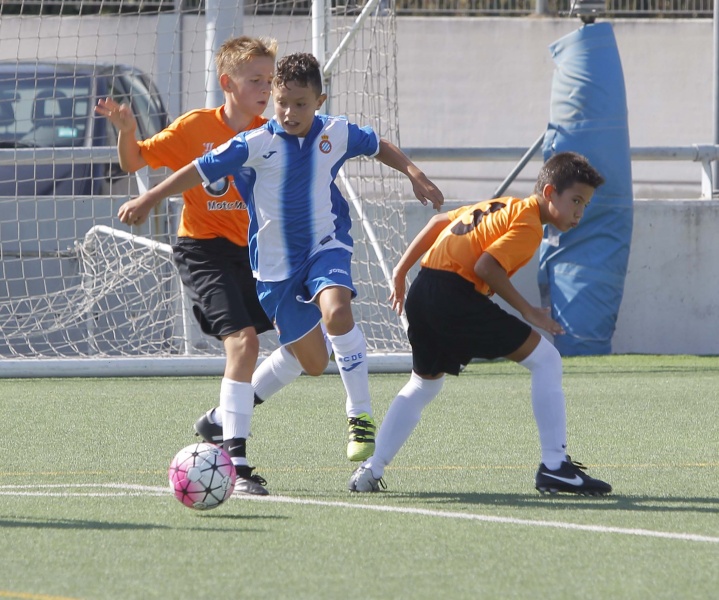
[83, 295]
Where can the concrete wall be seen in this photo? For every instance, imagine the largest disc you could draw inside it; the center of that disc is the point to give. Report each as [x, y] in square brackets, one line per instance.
[487, 82]
[670, 303]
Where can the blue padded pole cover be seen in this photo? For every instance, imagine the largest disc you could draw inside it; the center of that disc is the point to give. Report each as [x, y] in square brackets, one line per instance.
[582, 271]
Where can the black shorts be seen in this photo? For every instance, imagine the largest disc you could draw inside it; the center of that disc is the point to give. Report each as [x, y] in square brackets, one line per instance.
[450, 323]
[218, 278]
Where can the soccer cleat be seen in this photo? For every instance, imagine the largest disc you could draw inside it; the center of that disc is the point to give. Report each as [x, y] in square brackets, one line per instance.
[363, 480]
[569, 478]
[208, 431]
[211, 432]
[250, 484]
[361, 437]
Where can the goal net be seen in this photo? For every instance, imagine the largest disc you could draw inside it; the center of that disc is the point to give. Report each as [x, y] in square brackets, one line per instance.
[80, 293]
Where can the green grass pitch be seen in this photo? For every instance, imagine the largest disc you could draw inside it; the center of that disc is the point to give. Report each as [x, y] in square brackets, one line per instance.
[86, 512]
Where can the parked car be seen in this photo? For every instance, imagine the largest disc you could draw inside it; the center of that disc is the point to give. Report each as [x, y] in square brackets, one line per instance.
[51, 105]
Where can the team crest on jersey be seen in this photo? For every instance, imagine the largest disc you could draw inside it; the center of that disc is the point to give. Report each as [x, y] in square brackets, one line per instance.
[325, 145]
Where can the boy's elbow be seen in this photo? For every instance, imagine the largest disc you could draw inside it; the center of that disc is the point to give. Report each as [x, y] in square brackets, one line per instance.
[126, 168]
[481, 272]
[131, 164]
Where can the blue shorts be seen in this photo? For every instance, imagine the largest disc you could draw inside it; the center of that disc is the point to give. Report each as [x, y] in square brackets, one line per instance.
[290, 303]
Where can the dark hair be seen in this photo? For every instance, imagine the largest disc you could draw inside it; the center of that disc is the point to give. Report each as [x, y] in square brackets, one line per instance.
[564, 170]
[300, 68]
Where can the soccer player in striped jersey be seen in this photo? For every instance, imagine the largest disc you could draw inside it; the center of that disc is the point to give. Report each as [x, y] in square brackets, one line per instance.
[300, 243]
[469, 255]
[211, 250]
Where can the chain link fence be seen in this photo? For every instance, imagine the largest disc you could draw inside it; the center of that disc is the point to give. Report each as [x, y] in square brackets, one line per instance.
[607, 8]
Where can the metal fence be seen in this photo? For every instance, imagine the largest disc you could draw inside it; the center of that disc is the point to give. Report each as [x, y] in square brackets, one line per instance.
[608, 8]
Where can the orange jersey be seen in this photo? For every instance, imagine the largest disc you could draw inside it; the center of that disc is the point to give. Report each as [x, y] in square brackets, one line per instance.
[509, 229]
[207, 213]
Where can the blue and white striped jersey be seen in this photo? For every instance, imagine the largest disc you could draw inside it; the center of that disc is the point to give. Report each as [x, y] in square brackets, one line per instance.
[289, 187]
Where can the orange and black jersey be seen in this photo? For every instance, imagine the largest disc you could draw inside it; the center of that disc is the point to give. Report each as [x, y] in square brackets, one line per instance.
[219, 210]
[510, 229]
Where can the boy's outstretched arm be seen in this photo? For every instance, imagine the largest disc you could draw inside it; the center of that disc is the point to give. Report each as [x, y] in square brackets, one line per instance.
[493, 274]
[417, 247]
[135, 211]
[128, 150]
[423, 188]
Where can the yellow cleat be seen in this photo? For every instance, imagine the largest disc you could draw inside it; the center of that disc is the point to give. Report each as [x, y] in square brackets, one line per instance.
[361, 437]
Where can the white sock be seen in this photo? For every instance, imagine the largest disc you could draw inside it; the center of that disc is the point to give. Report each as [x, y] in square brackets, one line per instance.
[548, 405]
[275, 372]
[236, 404]
[214, 416]
[401, 419]
[351, 357]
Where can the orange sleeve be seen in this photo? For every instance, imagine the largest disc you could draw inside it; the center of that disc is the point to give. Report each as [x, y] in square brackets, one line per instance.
[517, 246]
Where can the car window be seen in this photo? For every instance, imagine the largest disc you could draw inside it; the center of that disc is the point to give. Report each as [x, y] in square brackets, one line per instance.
[44, 109]
[147, 107]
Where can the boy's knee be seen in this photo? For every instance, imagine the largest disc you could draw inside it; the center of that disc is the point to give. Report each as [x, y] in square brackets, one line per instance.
[337, 314]
[242, 344]
[338, 318]
[544, 356]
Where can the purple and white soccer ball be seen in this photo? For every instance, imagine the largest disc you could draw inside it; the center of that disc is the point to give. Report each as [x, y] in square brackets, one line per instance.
[202, 476]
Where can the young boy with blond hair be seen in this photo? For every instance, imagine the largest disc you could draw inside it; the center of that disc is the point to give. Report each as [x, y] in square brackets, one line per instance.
[211, 251]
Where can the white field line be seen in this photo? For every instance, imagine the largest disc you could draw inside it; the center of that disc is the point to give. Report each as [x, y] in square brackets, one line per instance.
[122, 489]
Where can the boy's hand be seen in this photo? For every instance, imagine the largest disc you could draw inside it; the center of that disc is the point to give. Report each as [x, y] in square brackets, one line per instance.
[425, 191]
[539, 317]
[120, 115]
[134, 212]
[396, 298]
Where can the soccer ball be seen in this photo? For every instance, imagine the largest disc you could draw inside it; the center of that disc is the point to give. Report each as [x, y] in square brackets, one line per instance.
[202, 476]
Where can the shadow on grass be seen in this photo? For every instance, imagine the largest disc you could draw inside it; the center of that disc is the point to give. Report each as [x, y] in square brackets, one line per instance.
[224, 516]
[84, 524]
[613, 502]
[601, 370]
[75, 524]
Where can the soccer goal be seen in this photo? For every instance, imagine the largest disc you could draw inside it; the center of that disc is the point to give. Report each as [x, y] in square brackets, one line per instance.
[82, 294]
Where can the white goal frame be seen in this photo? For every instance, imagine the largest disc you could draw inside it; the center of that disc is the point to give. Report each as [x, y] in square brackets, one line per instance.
[183, 364]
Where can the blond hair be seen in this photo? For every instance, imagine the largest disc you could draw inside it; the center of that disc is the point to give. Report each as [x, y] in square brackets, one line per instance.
[238, 51]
